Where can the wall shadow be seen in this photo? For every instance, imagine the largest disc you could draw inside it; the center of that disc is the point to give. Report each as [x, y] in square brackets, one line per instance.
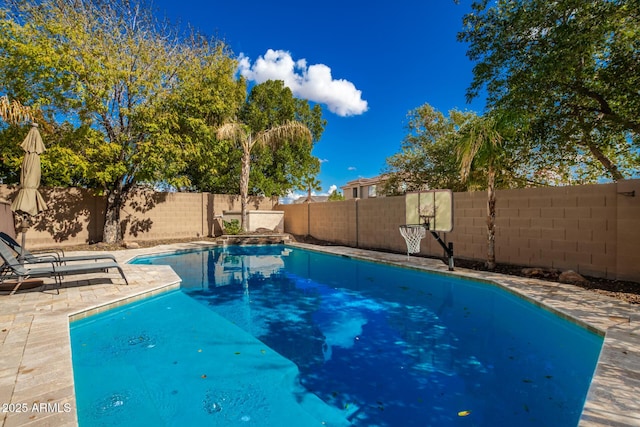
[69, 213]
[140, 202]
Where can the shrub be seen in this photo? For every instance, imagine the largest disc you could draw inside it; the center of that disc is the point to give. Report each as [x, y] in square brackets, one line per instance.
[232, 227]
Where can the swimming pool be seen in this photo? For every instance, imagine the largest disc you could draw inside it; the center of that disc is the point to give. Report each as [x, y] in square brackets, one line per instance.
[377, 345]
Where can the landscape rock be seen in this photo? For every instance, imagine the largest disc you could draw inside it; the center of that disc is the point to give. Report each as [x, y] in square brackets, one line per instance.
[131, 245]
[532, 272]
[540, 272]
[572, 278]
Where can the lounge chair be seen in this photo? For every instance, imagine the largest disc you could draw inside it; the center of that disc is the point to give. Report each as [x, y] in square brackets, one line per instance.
[48, 256]
[12, 269]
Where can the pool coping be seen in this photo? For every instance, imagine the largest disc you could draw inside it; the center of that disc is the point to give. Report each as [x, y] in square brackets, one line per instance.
[36, 371]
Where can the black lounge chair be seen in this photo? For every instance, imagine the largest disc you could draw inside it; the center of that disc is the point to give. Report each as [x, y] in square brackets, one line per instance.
[12, 269]
[49, 256]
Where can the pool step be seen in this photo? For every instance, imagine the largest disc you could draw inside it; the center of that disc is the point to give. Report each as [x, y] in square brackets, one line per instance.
[254, 239]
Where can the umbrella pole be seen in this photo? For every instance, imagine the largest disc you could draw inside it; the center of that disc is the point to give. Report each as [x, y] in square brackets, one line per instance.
[24, 225]
[21, 256]
[24, 238]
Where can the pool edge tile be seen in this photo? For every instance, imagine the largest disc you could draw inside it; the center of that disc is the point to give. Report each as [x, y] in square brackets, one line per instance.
[119, 302]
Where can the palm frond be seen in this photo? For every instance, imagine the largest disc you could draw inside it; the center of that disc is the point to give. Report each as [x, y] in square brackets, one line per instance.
[14, 112]
[480, 141]
[284, 132]
[232, 131]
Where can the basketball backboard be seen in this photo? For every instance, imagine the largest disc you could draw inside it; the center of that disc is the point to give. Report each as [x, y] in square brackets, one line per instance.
[433, 207]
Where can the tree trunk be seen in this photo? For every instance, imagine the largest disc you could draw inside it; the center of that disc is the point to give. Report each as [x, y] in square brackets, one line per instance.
[244, 187]
[491, 220]
[111, 231]
[605, 161]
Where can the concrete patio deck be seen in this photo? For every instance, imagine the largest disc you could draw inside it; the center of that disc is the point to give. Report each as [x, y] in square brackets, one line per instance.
[36, 373]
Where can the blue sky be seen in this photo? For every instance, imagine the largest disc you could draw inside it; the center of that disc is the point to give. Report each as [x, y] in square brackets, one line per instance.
[366, 62]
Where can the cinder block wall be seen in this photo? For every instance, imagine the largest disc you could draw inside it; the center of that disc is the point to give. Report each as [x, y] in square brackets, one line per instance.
[76, 216]
[628, 230]
[379, 219]
[296, 218]
[565, 228]
[469, 234]
[592, 229]
[153, 216]
[334, 222]
[229, 202]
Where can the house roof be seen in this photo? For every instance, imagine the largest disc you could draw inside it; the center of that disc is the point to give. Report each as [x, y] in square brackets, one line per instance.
[314, 199]
[365, 181]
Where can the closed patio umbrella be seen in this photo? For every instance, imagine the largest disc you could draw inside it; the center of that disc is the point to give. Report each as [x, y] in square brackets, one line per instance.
[29, 201]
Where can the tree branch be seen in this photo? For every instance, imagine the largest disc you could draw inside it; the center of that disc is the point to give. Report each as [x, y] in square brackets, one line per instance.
[604, 110]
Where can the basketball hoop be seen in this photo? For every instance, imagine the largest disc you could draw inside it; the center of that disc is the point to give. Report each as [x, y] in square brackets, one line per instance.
[413, 234]
[428, 211]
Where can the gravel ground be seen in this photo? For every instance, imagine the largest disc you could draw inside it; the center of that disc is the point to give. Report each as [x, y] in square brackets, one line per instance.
[619, 289]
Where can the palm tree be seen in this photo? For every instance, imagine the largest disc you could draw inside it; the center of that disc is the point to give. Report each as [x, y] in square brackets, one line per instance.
[271, 137]
[13, 112]
[310, 183]
[480, 147]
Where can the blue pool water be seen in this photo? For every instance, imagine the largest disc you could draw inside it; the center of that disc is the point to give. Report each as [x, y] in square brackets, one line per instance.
[275, 336]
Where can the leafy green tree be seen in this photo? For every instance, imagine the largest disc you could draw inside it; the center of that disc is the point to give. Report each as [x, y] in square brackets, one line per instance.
[463, 151]
[426, 158]
[206, 97]
[572, 67]
[336, 196]
[275, 172]
[273, 137]
[310, 116]
[63, 164]
[309, 182]
[127, 84]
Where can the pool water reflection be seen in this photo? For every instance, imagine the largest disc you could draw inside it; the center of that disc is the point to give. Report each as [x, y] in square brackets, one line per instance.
[392, 346]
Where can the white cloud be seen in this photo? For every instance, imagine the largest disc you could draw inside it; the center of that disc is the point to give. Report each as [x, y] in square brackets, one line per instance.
[292, 196]
[323, 160]
[313, 82]
[351, 168]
